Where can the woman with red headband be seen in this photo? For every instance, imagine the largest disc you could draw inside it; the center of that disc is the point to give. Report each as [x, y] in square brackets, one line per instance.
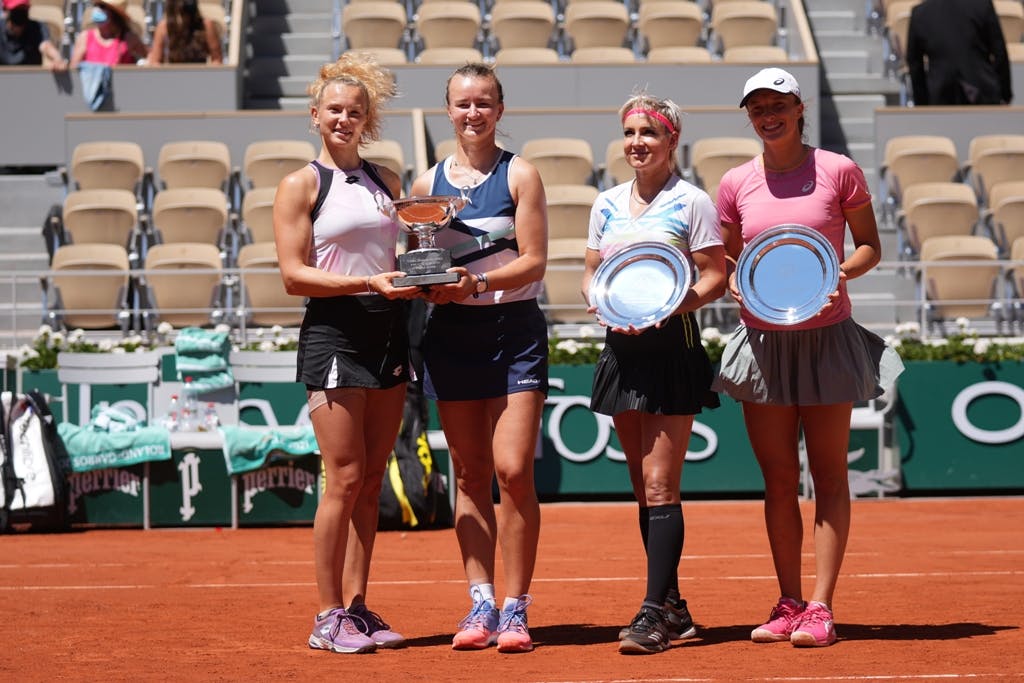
[652, 381]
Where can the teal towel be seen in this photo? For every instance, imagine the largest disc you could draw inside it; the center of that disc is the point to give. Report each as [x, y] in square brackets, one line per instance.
[91, 449]
[249, 448]
[203, 356]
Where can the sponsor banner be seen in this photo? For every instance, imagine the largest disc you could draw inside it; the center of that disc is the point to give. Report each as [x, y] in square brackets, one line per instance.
[107, 497]
[191, 489]
[283, 492]
[961, 426]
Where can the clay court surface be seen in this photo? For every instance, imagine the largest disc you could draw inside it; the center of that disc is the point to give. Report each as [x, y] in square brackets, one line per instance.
[932, 590]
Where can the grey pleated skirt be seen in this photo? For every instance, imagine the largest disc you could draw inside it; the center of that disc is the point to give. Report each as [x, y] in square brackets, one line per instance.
[835, 364]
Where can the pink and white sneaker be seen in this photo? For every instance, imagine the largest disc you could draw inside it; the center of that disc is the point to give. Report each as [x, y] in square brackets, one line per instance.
[816, 627]
[781, 622]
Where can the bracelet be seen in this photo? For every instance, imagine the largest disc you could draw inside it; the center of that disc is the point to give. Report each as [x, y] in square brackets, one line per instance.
[368, 290]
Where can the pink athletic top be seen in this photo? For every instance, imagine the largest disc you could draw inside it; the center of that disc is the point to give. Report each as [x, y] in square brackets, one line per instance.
[815, 194]
[113, 52]
[351, 236]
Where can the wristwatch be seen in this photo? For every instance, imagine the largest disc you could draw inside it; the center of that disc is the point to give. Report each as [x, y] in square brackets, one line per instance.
[481, 283]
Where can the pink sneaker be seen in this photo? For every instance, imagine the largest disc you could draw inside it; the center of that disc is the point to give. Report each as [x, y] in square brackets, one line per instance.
[513, 633]
[781, 622]
[815, 627]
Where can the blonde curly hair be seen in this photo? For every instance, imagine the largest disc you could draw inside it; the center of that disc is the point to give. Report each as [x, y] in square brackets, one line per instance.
[361, 70]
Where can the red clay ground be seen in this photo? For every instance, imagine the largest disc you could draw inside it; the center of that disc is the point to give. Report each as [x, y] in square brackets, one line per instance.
[931, 589]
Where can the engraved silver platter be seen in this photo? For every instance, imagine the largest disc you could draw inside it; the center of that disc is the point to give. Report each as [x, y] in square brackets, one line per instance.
[786, 273]
[640, 285]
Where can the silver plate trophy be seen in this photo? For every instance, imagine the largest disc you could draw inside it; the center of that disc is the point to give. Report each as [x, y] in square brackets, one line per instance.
[424, 216]
[786, 273]
[640, 285]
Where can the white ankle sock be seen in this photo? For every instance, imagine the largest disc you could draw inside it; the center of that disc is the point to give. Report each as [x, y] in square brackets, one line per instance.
[482, 591]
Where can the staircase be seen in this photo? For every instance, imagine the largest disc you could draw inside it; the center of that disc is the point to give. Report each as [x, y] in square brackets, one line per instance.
[288, 41]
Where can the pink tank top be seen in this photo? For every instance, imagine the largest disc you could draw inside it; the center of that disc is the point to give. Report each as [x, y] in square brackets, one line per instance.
[114, 52]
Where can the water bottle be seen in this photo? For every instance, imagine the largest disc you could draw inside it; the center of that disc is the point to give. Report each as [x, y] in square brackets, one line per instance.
[190, 406]
[210, 419]
[173, 415]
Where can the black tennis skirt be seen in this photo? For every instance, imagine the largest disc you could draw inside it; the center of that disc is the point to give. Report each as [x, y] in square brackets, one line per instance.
[353, 341]
[663, 371]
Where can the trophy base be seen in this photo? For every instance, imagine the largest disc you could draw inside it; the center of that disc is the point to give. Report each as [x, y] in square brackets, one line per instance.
[426, 280]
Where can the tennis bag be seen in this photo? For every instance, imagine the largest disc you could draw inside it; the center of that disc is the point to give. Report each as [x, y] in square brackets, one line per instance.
[34, 465]
[414, 494]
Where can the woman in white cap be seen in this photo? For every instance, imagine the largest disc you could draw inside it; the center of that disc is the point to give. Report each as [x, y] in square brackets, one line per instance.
[808, 375]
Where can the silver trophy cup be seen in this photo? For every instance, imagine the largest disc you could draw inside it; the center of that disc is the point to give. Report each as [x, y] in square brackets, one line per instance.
[424, 216]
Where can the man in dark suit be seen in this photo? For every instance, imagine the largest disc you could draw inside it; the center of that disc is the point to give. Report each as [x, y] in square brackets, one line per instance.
[956, 54]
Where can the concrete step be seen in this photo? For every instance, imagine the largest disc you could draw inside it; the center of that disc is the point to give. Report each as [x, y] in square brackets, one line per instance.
[861, 105]
[271, 7]
[847, 40]
[305, 66]
[279, 44]
[834, 20]
[858, 129]
[278, 86]
[23, 247]
[846, 61]
[864, 84]
[863, 153]
[26, 198]
[282, 103]
[858, 8]
[309, 22]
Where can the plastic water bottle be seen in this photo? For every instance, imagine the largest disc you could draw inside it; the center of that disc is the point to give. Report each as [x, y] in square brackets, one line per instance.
[173, 415]
[210, 419]
[190, 419]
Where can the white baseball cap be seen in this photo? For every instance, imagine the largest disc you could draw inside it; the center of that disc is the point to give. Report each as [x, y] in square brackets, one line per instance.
[772, 78]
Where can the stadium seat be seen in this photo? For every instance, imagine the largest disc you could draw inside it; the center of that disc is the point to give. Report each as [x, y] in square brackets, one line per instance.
[258, 215]
[1015, 274]
[264, 299]
[193, 214]
[386, 56]
[107, 164]
[526, 55]
[616, 169]
[389, 154]
[711, 157]
[1011, 19]
[88, 288]
[756, 54]
[563, 280]
[752, 22]
[993, 159]
[1004, 216]
[374, 24]
[194, 163]
[268, 161]
[561, 161]
[103, 217]
[455, 56]
[602, 55]
[595, 23]
[967, 291]
[524, 23]
[182, 285]
[678, 55]
[669, 23]
[911, 159]
[569, 209]
[448, 23]
[934, 210]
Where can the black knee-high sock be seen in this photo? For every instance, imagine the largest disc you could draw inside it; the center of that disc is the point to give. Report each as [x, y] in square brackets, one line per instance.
[643, 517]
[664, 548]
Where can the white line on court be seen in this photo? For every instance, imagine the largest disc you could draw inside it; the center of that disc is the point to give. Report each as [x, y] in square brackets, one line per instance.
[580, 579]
[863, 677]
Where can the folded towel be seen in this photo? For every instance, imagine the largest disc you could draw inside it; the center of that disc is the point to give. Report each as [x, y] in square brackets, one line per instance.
[203, 356]
[95, 450]
[249, 448]
[107, 419]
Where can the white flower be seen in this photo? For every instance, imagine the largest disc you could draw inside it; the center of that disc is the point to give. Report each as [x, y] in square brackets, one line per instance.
[164, 328]
[586, 331]
[711, 334]
[105, 345]
[26, 352]
[133, 339]
[962, 323]
[259, 332]
[118, 349]
[981, 346]
[267, 346]
[222, 327]
[276, 330]
[44, 331]
[76, 335]
[908, 329]
[894, 342]
[568, 345]
[57, 339]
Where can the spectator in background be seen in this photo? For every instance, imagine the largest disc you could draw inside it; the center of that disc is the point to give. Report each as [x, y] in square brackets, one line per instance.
[185, 36]
[963, 44]
[25, 42]
[110, 39]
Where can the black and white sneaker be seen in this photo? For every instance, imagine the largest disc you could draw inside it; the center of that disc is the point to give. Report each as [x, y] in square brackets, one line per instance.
[680, 623]
[648, 633]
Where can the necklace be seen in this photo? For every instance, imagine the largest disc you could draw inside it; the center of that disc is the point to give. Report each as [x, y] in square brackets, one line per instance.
[635, 196]
[474, 176]
[798, 164]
